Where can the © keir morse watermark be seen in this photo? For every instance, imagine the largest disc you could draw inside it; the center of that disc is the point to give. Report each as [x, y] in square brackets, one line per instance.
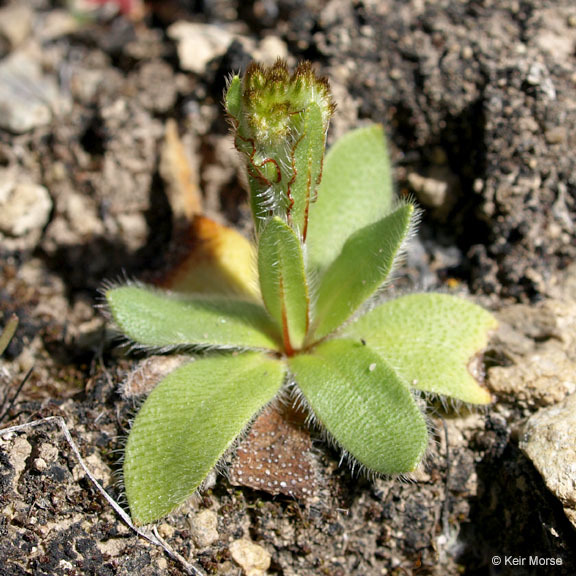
[526, 561]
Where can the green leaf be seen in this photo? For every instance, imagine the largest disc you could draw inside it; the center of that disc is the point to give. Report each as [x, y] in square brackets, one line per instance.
[233, 97]
[187, 423]
[432, 340]
[356, 190]
[160, 319]
[308, 158]
[359, 270]
[282, 281]
[363, 404]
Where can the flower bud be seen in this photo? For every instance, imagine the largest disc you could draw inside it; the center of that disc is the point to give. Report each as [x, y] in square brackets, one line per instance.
[280, 122]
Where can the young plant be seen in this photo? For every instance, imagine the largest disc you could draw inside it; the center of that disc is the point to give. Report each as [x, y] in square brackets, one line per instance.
[327, 236]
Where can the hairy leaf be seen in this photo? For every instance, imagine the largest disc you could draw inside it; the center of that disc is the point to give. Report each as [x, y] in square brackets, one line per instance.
[431, 340]
[282, 281]
[160, 319]
[187, 423]
[233, 97]
[363, 404]
[308, 158]
[359, 270]
[356, 190]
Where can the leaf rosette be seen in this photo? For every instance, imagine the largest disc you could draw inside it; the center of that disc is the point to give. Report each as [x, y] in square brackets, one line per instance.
[354, 361]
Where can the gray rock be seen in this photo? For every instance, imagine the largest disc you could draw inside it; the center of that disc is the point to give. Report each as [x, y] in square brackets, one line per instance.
[28, 98]
[548, 440]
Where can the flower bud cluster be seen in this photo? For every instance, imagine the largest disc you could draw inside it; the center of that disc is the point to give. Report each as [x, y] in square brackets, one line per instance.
[280, 120]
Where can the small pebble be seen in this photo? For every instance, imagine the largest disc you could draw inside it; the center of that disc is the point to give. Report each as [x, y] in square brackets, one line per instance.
[556, 135]
[28, 98]
[198, 44]
[204, 528]
[40, 464]
[15, 23]
[251, 557]
[25, 208]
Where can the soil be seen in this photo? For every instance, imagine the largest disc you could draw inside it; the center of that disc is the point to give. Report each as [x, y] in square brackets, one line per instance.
[478, 100]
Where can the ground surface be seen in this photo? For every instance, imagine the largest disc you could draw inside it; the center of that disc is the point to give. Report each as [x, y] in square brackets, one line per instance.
[478, 99]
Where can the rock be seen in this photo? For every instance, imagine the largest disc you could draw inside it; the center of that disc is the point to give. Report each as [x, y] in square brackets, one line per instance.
[198, 44]
[556, 135]
[204, 528]
[24, 208]
[166, 530]
[548, 440]
[541, 379]
[540, 341]
[8, 179]
[252, 558]
[556, 37]
[270, 49]
[436, 189]
[56, 24]
[15, 24]
[28, 98]
[97, 468]
[134, 228]
[538, 76]
[40, 465]
[48, 452]
[82, 216]
[18, 455]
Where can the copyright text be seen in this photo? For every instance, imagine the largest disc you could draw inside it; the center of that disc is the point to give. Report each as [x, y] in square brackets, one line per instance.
[525, 561]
